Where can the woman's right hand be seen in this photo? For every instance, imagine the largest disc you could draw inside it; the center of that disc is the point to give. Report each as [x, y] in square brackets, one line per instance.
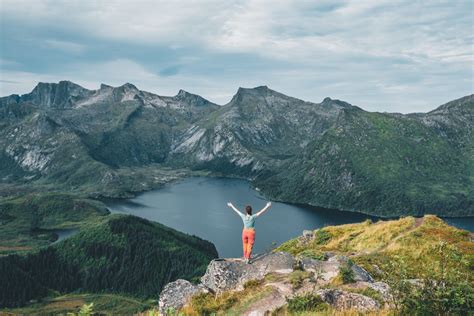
[229, 204]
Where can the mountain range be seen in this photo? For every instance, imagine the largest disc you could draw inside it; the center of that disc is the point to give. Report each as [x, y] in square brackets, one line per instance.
[114, 141]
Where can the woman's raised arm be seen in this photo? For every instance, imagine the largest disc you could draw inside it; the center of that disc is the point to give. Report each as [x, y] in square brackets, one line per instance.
[263, 210]
[235, 209]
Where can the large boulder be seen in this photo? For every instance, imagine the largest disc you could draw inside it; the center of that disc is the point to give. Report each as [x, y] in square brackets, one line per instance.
[346, 300]
[177, 294]
[359, 273]
[325, 270]
[227, 274]
[329, 269]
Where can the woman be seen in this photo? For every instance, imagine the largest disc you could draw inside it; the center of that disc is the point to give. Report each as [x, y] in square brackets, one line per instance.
[248, 233]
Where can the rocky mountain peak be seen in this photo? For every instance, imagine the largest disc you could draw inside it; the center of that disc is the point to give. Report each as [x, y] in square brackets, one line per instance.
[104, 86]
[334, 102]
[455, 105]
[244, 95]
[128, 86]
[182, 93]
[190, 99]
[252, 91]
[125, 92]
[60, 94]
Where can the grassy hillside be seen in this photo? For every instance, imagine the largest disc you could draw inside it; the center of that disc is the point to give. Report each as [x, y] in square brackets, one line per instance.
[119, 254]
[29, 221]
[413, 240]
[103, 304]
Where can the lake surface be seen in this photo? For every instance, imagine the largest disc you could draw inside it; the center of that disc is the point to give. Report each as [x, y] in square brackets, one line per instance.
[64, 233]
[198, 206]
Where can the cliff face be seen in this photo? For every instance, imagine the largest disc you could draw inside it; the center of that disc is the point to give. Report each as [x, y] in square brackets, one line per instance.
[330, 154]
[378, 267]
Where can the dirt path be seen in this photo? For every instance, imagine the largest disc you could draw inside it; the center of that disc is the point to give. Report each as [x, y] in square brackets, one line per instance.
[418, 222]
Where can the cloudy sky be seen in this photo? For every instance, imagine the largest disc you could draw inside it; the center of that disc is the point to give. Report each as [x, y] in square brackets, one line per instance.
[396, 56]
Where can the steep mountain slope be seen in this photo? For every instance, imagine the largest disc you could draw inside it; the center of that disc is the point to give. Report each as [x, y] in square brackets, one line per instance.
[111, 141]
[382, 163]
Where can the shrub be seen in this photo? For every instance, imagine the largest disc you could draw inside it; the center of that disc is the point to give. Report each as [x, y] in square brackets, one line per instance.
[87, 309]
[322, 237]
[313, 254]
[346, 274]
[251, 284]
[297, 277]
[307, 303]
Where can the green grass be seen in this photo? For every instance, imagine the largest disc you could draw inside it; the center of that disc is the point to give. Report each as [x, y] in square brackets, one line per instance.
[111, 304]
[307, 303]
[29, 221]
[229, 302]
[382, 242]
[297, 277]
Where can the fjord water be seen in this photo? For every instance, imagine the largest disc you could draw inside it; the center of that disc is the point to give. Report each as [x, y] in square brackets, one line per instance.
[198, 206]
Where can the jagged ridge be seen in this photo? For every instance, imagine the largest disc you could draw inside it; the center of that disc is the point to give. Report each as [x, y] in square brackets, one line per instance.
[329, 154]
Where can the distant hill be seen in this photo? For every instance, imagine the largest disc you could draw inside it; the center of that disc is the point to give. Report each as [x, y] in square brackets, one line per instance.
[118, 140]
[118, 254]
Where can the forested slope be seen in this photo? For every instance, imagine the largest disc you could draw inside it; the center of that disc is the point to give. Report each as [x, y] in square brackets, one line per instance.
[120, 254]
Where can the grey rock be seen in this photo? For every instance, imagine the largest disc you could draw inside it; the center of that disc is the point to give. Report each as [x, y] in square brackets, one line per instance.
[308, 233]
[228, 274]
[347, 300]
[330, 268]
[176, 294]
[325, 270]
[359, 273]
[383, 288]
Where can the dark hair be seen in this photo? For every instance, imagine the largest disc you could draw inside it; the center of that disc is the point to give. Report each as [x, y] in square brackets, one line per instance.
[248, 209]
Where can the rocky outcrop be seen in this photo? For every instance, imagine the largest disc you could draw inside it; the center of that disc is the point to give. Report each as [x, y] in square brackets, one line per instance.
[231, 274]
[176, 294]
[347, 300]
[325, 270]
[224, 274]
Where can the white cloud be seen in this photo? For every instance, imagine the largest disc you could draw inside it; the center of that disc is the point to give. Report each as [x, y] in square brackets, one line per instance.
[115, 72]
[381, 55]
[279, 29]
[68, 47]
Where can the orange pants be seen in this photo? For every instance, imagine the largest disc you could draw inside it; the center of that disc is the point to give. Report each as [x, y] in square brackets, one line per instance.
[248, 238]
